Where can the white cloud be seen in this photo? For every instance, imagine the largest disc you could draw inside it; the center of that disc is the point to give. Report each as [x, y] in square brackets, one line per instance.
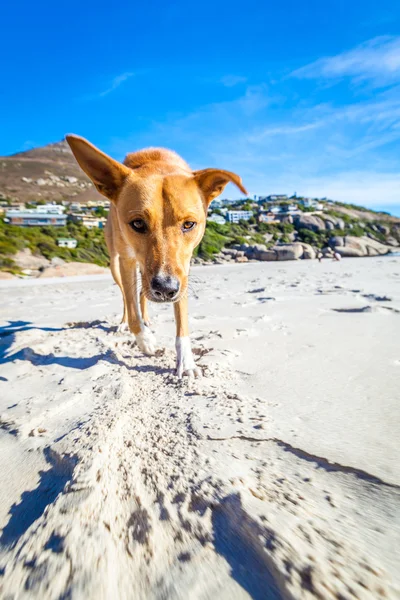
[116, 82]
[232, 80]
[377, 61]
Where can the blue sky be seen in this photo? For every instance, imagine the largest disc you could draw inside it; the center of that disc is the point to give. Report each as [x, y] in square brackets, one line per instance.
[293, 96]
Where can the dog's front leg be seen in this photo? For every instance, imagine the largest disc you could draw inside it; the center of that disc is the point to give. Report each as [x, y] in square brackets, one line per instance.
[185, 364]
[130, 281]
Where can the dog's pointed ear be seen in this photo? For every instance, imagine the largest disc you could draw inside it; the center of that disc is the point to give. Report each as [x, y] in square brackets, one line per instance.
[213, 181]
[107, 174]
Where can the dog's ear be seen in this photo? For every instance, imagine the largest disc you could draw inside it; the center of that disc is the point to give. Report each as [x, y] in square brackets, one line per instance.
[106, 173]
[213, 181]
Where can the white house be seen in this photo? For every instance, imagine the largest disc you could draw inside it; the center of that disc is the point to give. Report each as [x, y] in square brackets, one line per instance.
[234, 216]
[214, 218]
[50, 209]
[67, 243]
[312, 203]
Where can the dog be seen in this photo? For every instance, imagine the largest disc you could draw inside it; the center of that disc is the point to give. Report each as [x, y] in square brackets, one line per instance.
[157, 218]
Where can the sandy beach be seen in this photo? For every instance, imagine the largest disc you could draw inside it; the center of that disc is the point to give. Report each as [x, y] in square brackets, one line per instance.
[274, 476]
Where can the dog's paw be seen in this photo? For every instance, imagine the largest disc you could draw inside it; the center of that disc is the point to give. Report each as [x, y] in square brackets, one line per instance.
[123, 328]
[146, 342]
[185, 364]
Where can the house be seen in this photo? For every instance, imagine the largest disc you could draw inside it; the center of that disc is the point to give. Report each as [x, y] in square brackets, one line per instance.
[312, 203]
[17, 206]
[214, 218]
[289, 208]
[267, 217]
[34, 218]
[234, 216]
[89, 221]
[54, 209]
[273, 198]
[67, 243]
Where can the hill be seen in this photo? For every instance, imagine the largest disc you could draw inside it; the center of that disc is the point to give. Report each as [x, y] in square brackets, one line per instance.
[49, 173]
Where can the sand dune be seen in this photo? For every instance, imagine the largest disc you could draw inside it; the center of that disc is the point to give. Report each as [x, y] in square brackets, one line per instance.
[275, 476]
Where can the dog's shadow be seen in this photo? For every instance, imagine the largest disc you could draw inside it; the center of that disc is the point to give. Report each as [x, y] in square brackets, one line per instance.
[7, 335]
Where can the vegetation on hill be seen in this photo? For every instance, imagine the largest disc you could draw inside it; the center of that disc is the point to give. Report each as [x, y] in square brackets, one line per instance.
[43, 241]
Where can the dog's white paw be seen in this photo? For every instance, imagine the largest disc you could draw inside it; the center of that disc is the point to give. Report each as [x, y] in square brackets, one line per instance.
[185, 364]
[146, 342]
[122, 328]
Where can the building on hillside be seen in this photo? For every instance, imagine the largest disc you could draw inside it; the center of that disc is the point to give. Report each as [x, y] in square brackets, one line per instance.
[289, 208]
[89, 221]
[75, 206]
[95, 203]
[54, 209]
[312, 203]
[67, 242]
[227, 202]
[273, 198]
[17, 206]
[234, 216]
[33, 218]
[214, 218]
[267, 217]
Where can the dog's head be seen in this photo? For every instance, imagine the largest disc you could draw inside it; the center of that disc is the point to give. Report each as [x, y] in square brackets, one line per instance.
[161, 216]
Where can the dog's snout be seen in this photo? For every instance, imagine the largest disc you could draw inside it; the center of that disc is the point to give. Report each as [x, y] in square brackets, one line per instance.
[164, 287]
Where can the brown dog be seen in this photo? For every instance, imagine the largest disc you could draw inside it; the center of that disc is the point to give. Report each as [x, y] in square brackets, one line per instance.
[157, 218]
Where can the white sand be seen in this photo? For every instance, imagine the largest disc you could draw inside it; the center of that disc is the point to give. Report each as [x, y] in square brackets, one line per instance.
[275, 476]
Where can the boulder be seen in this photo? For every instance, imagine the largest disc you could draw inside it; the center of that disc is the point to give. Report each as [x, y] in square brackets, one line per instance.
[268, 237]
[333, 223]
[311, 222]
[391, 241]
[289, 251]
[229, 252]
[384, 229]
[267, 255]
[351, 246]
[242, 259]
[308, 252]
[26, 260]
[56, 261]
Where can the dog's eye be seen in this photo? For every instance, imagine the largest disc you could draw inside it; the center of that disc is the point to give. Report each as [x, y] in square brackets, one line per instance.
[188, 225]
[138, 225]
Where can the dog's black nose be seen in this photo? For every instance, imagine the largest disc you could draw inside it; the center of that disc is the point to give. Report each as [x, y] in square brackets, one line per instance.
[164, 287]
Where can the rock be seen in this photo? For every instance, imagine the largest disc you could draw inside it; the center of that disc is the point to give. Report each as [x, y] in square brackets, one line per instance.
[289, 251]
[333, 223]
[267, 255]
[229, 252]
[308, 252]
[57, 262]
[268, 237]
[327, 252]
[391, 241]
[311, 222]
[384, 229]
[242, 259]
[240, 253]
[259, 247]
[26, 260]
[350, 246]
[292, 236]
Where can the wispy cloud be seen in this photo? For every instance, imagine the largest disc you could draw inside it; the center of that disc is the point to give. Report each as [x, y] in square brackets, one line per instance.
[116, 82]
[232, 80]
[376, 61]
